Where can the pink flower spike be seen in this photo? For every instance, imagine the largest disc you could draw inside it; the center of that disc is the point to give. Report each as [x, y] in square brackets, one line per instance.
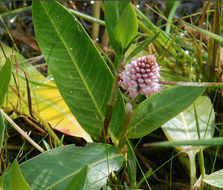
[141, 77]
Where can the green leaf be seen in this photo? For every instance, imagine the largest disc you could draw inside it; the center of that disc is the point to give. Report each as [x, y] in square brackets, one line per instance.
[2, 130]
[131, 167]
[56, 168]
[160, 108]
[1, 181]
[175, 5]
[5, 76]
[141, 46]
[80, 73]
[206, 32]
[183, 126]
[79, 180]
[215, 179]
[17, 181]
[121, 23]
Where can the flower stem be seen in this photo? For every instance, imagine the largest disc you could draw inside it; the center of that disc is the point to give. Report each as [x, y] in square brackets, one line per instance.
[192, 155]
[111, 101]
[202, 168]
[128, 116]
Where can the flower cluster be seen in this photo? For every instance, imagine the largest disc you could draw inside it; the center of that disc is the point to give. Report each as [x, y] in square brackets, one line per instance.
[141, 77]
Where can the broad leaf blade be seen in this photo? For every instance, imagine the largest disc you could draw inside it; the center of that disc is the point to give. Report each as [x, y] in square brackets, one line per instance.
[121, 23]
[215, 179]
[80, 73]
[160, 108]
[183, 126]
[17, 181]
[55, 169]
[79, 180]
[5, 76]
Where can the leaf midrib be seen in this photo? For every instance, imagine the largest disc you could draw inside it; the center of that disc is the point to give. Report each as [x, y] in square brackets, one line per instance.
[75, 64]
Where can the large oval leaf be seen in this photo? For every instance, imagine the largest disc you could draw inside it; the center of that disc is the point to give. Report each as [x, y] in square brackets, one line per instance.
[82, 76]
[183, 126]
[160, 108]
[56, 168]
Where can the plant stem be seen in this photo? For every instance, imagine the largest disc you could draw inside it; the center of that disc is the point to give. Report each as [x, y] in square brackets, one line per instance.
[128, 115]
[16, 11]
[192, 155]
[214, 46]
[202, 169]
[86, 17]
[96, 14]
[193, 84]
[17, 128]
[111, 101]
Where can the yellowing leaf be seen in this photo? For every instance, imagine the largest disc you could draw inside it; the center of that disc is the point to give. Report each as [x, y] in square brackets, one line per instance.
[46, 99]
[53, 109]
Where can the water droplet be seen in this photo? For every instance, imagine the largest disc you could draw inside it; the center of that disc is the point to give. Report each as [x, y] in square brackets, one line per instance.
[96, 39]
[12, 20]
[71, 48]
[182, 34]
[71, 92]
[186, 52]
[51, 78]
[137, 5]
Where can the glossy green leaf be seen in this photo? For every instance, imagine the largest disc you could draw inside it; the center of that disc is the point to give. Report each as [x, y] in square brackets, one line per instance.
[2, 130]
[215, 179]
[79, 180]
[80, 73]
[56, 168]
[121, 23]
[160, 108]
[5, 76]
[17, 181]
[183, 126]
